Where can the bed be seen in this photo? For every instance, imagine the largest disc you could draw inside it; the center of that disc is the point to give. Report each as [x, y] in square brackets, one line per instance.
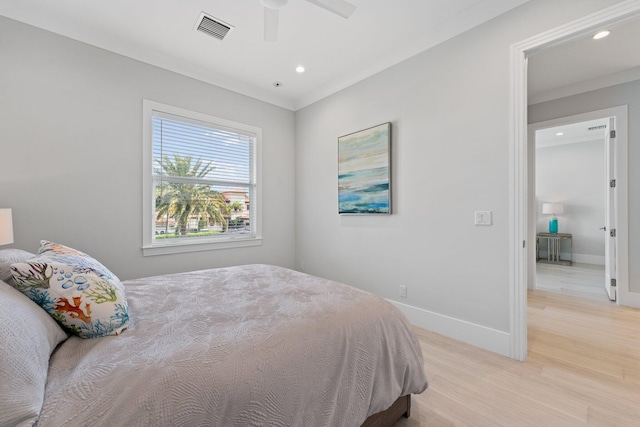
[253, 345]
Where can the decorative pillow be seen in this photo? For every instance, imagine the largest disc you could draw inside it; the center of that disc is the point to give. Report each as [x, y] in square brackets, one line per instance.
[61, 253]
[8, 257]
[76, 290]
[27, 338]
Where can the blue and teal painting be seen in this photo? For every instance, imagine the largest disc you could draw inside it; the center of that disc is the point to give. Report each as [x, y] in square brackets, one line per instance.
[364, 171]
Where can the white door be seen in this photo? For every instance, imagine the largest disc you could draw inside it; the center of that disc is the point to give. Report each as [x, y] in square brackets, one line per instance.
[609, 212]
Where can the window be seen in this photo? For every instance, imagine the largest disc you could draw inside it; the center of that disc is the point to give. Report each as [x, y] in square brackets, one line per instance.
[201, 186]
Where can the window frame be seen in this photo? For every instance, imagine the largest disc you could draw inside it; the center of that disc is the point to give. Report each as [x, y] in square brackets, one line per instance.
[151, 246]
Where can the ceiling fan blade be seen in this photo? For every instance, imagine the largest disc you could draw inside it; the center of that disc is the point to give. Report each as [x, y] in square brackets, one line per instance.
[270, 25]
[339, 7]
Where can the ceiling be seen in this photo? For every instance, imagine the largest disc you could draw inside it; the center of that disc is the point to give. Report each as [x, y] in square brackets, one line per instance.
[591, 130]
[336, 52]
[582, 64]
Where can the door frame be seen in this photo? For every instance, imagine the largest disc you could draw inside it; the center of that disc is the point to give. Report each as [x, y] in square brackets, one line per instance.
[518, 159]
[621, 118]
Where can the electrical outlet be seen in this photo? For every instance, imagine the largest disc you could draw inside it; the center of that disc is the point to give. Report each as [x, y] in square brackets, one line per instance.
[403, 291]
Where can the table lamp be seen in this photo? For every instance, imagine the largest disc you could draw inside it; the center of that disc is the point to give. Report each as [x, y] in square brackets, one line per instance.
[6, 227]
[553, 209]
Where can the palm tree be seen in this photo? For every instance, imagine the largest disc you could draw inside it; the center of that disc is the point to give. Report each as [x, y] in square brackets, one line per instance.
[181, 201]
[236, 207]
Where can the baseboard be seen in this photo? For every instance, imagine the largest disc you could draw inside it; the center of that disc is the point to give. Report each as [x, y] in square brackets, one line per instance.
[471, 333]
[588, 259]
[579, 258]
[630, 299]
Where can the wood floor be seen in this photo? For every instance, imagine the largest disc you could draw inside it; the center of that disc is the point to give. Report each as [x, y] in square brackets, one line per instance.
[583, 369]
[582, 280]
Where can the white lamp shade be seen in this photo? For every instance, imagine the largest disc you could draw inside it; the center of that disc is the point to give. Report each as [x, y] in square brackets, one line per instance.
[6, 227]
[552, 208]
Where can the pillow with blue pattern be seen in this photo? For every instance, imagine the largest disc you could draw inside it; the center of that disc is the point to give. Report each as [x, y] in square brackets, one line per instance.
[75, 289]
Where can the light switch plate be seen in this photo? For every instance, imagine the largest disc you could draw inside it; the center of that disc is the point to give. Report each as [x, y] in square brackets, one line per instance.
[483, 218]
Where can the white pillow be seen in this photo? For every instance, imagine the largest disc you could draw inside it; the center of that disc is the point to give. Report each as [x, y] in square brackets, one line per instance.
[8, 257]
[28, 336]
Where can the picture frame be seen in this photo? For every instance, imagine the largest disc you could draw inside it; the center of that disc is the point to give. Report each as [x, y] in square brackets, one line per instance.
[364, 171]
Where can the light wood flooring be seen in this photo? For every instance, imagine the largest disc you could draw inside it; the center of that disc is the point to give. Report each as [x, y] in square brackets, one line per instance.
[583, 369]
[582, 280]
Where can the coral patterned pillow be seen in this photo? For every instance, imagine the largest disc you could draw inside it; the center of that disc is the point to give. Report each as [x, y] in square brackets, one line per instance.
[61, 253]
[76, 290]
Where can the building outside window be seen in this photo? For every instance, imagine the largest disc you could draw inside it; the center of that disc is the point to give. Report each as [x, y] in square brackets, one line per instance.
[201, 183]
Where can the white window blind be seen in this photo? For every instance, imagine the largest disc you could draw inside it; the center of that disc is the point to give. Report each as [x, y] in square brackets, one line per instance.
[203, 184]
[225, 153]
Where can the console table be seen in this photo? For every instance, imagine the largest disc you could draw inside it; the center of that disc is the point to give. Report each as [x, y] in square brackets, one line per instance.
[554, 243]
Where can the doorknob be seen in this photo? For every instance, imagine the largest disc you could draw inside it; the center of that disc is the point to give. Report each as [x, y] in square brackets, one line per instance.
[603, 228]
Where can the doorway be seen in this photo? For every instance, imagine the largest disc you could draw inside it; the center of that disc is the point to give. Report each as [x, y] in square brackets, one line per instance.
[520, 158]
[573, 206]
[615, 119]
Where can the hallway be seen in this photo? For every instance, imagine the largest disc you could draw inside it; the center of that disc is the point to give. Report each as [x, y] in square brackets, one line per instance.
[580, 280]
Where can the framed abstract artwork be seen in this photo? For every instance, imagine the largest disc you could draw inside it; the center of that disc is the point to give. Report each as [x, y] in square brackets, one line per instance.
[364, 171]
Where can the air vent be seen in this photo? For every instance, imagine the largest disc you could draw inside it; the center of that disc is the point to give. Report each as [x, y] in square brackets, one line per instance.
[598, 127]
[213, 26]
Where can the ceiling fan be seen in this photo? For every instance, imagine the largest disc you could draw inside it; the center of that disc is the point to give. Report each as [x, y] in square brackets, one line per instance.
[271, 9]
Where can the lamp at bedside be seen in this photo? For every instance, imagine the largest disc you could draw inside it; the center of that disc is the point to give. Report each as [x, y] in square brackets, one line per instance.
[553, 209]
[6, 227]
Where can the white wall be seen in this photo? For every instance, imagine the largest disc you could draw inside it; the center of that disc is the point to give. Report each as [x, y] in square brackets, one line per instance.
[574, 175]
[625, 94]
[449, 109]
[71, 147]
[70, 112]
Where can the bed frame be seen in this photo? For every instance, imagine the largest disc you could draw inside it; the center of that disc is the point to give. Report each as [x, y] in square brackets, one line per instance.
[400, 408]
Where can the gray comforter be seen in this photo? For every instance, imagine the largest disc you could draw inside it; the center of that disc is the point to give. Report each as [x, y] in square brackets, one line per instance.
[254, 345]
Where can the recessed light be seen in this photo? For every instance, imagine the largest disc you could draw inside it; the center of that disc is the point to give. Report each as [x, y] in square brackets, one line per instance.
[601, 34]
[300, 69]
[559, 133]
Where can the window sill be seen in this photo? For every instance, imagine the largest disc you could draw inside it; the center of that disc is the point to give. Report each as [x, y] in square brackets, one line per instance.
[185, 247]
